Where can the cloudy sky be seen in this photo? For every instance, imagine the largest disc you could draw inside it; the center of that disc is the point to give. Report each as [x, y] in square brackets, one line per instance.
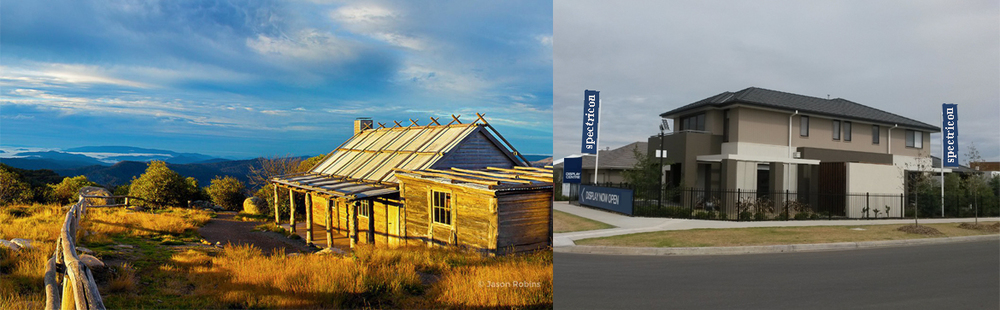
[904, 57]
[249, 78]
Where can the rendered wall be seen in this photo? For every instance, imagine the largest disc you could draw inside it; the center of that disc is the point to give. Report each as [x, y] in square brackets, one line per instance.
[878, 180]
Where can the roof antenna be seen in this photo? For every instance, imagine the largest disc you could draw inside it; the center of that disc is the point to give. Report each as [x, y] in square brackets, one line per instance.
[827, 96]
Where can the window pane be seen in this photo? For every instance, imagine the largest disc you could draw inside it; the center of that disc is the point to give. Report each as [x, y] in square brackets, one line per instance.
[847, 131]
[701, 122]
[836, 130]
[918, 139]
[804, 126]
[909, 138]
[875, 134]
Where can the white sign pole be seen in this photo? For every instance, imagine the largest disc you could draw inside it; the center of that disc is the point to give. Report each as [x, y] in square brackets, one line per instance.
[942, 166]
[597, 160]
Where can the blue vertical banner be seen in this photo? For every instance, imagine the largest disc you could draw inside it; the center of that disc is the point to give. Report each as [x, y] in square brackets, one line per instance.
[572, 170]
[591, 111]
[949, 134]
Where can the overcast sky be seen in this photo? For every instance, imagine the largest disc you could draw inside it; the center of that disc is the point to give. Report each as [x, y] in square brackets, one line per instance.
[253, 78]
[904, 57]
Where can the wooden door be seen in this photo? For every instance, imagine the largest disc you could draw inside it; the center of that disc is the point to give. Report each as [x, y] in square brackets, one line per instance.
[392, 223]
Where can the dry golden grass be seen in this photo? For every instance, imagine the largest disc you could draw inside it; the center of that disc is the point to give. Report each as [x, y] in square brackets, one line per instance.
[123, 279]
[565, 222]
[140, 224]
[774, 236]
[515, 283]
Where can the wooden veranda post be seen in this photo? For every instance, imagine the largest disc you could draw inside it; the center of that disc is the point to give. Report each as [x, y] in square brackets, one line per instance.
[371, 222]
[309, 219]
[329, 222]
[291, 210]
[353, 222]
[277, 219]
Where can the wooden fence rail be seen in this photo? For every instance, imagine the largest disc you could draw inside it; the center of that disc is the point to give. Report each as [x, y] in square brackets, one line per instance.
[67, 280]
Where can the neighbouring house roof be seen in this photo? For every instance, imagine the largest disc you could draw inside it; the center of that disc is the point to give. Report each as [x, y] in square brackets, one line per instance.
[936, 163]
[619, 158]
[837, 107]
[986, 166]
[364, 166]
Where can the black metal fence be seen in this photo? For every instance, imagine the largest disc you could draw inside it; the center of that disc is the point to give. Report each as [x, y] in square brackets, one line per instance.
[744, 205]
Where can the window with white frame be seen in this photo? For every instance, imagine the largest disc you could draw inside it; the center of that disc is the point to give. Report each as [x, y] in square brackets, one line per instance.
[914, 139]
[441, 207]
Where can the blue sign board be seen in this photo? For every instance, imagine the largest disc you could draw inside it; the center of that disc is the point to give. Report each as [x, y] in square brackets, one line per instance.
[612, 199]
[949, 135]
[572, 169]
[591, 111]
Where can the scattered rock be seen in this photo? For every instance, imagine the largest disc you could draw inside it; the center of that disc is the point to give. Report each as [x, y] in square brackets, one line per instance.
[330, 251]
[857, 228]
[9, 245]
[218, 244]
[254, 205]
[24, 243]
[293, 254]
[95, 191]
[91, 261]
[205, 242]
[123, 246]
[920, 230]
[84, 250]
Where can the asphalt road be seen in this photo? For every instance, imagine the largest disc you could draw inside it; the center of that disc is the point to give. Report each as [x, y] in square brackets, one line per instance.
[945, 276]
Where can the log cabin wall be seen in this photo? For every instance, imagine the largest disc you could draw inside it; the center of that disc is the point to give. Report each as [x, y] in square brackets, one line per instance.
[524, 218]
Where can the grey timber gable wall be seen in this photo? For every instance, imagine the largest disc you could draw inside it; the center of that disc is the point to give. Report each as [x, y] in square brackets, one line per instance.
[477, 151]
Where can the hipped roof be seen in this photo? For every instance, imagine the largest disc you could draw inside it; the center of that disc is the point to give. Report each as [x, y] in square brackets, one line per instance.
[837, 107]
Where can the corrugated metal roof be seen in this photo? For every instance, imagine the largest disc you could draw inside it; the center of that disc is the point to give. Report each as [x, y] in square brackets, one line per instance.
[372, 154]
[336, 186]
[836, 107]
[499, 179]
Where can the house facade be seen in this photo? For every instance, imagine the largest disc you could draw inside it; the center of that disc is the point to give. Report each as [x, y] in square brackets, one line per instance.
[355, 190]
[770, 141]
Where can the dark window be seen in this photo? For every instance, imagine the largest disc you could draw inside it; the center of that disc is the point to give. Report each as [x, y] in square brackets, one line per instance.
[847, 131]
[836, 130]
[693, 122]
[804, 126]
[914, 139]
[725, 126]
[441, 207]
[365, 208]
[875, 134]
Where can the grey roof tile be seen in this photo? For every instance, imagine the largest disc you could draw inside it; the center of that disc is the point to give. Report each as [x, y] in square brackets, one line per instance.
[837, 107]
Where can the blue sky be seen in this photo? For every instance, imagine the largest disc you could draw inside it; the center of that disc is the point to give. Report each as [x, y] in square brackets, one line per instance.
[243, 79]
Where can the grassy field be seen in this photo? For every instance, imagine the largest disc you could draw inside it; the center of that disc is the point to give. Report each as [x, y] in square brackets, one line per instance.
[166, 267]
[774, 236]
[565, 222]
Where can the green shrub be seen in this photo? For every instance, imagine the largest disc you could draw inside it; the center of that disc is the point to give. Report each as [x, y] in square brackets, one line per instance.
[12, 188]
[159, 186]
[723, 216]
[227, 192]
[66, 191]
[746, 215]
[782, 216]
[759, 216]
[802, 216]
[814, 216]
[702, 215]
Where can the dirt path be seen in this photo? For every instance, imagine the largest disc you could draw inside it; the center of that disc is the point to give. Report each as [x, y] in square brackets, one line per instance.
[225, 229]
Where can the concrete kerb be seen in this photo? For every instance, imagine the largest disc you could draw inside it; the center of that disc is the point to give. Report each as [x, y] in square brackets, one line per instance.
[764, 249]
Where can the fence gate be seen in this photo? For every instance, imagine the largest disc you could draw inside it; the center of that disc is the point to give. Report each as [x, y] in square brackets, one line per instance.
[832, 188]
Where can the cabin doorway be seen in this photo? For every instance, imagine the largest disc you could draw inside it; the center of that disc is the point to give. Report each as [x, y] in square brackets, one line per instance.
[392, 223]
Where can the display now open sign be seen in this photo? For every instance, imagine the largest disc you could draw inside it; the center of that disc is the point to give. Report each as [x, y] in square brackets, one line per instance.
[613, 199]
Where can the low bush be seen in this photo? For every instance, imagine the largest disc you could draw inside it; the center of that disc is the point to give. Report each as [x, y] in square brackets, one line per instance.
[802, 216]
[702, 215]
[746, 215]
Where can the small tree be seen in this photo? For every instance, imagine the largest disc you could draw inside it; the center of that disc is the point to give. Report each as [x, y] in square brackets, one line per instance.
[12, 188]
[644, 175]
[921, 182]
[160, 186]
[977, 182]
[66, 191]
[227, 192]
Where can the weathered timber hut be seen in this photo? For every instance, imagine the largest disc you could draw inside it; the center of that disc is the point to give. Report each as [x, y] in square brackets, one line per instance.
[355, 190]
[496, 210]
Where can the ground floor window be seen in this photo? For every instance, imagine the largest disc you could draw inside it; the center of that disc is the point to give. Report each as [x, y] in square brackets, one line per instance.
[441, 207]
[365, 208]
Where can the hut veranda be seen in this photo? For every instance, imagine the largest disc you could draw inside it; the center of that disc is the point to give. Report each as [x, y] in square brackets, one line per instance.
[455, 184]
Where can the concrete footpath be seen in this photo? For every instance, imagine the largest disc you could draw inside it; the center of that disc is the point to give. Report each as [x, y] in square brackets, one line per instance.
[564, 242]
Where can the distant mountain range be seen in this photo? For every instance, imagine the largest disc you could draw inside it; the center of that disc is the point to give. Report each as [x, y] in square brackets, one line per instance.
[117, 165]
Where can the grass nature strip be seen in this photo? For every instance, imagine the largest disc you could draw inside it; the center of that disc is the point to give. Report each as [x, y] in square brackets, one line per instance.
[152, 274]
[565, 222]
[773, 236]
